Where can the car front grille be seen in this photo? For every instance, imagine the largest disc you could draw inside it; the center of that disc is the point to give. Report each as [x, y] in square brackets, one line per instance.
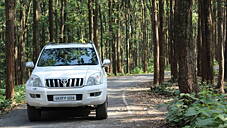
[64, 83]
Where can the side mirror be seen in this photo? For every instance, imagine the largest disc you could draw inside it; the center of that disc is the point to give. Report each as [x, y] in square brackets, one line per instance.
[106, 62]
[29, 64]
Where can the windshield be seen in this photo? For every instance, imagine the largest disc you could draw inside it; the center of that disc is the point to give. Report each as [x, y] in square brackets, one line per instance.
[68, 57]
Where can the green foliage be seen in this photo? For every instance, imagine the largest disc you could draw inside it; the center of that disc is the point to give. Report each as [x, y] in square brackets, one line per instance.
[150, 68]
[18, 98]
[137, 70]
[19, 94]
[166, 89]
[4, 103]
[208, 110]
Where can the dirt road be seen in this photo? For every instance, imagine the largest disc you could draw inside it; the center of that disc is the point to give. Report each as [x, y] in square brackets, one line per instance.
[129, 107]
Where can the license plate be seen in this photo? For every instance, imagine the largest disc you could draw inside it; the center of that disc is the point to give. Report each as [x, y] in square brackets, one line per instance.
[64, 98]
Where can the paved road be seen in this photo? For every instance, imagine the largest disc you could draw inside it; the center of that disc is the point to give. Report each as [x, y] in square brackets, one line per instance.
[123, 111]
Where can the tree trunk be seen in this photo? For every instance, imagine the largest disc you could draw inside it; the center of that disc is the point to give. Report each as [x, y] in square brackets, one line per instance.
[36, 40]
[187, 61]
[10, 6]
[144, 29]
[173, 49]
[56, 22]
[199, 43]
[95, 25]
[65, 32]
[51, 21]
[101, 33]
[225, 54]
[62, 21]
[156, 43]
[90, 18]
[220, 46]
[127, 36]
[24, 11]
[162, 41]
[206, 24]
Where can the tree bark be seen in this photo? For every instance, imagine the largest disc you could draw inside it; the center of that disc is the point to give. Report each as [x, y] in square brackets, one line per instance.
[162, 41]
[24, 14]
[36, 39]
[10, 6]
[173, 49]
[56, 20]
[144, 29]
[95, 25]
[51, 21]
[206, 25]
[220, 26]
[101, 33]
[90, 18]
[156, 43]
[186, 55]
[62, 21]
[199, 43]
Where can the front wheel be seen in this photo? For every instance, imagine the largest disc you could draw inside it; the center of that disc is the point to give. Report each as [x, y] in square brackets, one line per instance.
[34, 114]
[101, 111]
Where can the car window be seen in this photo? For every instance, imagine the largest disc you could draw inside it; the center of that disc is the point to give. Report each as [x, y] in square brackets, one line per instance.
[68, 57]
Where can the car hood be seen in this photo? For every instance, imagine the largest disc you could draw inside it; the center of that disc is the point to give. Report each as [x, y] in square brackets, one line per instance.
[65, 71]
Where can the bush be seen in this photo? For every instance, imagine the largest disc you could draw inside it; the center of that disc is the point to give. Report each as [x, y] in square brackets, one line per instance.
[166, 89]
[209, 110]
[18, 98]
[137, 70]
[4, 103]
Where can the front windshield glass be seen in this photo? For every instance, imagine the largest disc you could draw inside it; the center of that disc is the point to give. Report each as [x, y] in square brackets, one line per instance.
[68, 57]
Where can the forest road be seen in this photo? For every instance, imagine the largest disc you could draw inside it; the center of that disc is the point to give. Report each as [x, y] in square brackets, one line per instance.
[123, 110]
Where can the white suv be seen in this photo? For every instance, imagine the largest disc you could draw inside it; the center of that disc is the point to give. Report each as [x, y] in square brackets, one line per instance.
[67, 76]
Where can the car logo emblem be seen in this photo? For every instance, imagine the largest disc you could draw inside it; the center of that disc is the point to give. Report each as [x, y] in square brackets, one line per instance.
[64, 82]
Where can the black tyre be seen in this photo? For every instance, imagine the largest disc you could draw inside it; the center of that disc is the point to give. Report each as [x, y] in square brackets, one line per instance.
[34, 114]
[101, 111]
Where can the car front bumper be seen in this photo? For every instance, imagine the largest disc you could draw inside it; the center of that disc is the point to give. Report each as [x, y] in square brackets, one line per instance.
[91, 95]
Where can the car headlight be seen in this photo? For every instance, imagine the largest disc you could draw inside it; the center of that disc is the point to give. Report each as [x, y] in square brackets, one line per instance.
[35, 81]
[94, 79]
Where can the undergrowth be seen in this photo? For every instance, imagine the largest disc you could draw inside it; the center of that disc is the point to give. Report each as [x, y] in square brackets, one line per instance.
[206, 110]
[19, 97]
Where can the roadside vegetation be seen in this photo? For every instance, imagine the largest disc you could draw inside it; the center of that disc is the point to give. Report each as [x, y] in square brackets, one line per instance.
[8, 104]
[207, 109]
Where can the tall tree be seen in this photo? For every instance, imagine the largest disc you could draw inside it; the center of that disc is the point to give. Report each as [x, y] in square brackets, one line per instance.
[199, 42]
[206, 25]
[172, 45]
[24, 14]
[10, 6]
[186, 55]
[90, 18]
[156, 42]
[162, 41]
[62, 21]
[221, 45]
[144, 29]
[36, 35]
[51, 21]
[95, 25]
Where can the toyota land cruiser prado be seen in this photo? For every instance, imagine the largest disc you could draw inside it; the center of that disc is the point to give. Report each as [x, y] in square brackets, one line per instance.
[67, 75]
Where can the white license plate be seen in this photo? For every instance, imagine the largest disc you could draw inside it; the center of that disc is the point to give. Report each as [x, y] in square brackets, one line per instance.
[64, 98]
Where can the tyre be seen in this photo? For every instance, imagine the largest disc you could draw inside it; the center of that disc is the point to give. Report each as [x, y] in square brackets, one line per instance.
[101, 111]
[34, 114]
